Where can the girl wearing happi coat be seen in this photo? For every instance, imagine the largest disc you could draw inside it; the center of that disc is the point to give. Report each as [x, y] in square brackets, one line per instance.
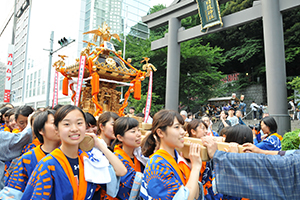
[61, 174]
[45, 131]
[167, 175]
[19, 120]
[127, 147]
[91, 123]
[105, 125]
[198, 129]
[272, 141]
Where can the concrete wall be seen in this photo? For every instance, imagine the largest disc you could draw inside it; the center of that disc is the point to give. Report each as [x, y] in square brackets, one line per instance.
[255, 93]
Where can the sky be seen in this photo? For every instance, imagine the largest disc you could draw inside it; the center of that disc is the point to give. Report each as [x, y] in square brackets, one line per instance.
[56, 13]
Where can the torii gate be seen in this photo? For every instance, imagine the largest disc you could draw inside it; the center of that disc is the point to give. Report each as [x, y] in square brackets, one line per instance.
[268, 10]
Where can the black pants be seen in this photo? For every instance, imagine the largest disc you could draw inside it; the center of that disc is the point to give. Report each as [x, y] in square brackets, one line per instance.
[254, 114]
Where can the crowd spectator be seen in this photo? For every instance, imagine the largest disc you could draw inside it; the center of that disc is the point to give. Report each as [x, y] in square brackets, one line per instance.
[224, 122]
[233, 119]
[292, 109]
[243, 107]
[254, 108]
[239, 115]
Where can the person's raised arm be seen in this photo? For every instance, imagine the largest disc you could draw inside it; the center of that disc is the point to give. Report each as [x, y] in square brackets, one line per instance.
[117, 164]
[12, 144]
[196, 162]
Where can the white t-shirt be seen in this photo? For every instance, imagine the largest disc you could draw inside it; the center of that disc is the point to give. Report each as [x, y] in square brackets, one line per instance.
[233, 120]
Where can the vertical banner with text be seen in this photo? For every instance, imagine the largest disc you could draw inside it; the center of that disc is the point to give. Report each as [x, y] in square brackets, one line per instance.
[55, 90]
[8, 76]
[209, 13]
[80, 79]
[149, 98]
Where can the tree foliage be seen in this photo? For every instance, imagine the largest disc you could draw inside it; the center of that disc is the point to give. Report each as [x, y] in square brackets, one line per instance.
[204, 60]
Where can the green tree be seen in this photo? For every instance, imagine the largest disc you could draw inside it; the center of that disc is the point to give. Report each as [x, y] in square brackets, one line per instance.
[139, 105]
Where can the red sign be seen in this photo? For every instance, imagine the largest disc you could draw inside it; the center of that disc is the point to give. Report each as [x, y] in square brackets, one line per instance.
[230, 78]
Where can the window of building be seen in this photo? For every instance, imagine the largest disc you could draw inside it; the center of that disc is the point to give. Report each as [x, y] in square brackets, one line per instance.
[39, 82]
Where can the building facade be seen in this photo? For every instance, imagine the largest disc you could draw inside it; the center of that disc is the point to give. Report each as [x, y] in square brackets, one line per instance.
[123, 16]
[20, 53]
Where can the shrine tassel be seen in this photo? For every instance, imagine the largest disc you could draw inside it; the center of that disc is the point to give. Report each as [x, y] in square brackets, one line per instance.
[137, 90]
[95, 83]
[65, 89]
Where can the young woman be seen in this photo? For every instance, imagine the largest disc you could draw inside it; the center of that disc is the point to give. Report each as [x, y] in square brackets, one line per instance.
[21, 116]
[273, 140]
[60, 175]
[198, 129]
[105, 127]
[237, 135]
[167, 175]
[127, 147]
[11, 125]
[2, 118]
[91, 123]
[35, 141]
[45, 131]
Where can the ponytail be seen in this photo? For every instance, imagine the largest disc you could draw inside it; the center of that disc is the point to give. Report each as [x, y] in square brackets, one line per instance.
[114, 143]
[149, 145]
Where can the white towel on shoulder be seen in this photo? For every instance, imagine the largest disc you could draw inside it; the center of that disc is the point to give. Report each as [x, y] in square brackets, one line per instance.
[96, 167]
[138, 154]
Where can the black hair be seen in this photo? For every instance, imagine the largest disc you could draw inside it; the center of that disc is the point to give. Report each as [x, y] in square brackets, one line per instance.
[140, 115]
[104, 118]
[225, 130]
[58, 106]
[271, 123]
[90, 119]
[10, 112]
[240, 134]
[122, 125]
[161, 120]
[132, 108]
[193, 126]
[64, 111]
[39, 123]
[2, 112]
[23, 110]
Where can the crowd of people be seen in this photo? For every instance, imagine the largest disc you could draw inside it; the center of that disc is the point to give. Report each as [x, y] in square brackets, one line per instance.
[44, 155]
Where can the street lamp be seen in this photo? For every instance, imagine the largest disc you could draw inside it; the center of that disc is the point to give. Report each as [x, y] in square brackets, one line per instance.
[63, 42]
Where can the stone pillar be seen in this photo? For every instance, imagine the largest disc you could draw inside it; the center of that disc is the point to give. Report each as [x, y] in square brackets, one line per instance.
[173, 65]
[275, 64]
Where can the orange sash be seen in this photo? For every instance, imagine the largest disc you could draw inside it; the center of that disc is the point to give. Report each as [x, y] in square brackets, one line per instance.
[277, 135]
[80, 193]
[36, 142]
[136, 165]
[16, 130]
[6, 129]
[39, 154]
[181, 169]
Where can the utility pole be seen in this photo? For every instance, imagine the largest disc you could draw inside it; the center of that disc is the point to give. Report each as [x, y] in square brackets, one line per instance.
[63, 43]
[49, 68]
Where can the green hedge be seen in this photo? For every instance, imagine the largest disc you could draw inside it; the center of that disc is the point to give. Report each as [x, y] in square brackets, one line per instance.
[291, 140]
